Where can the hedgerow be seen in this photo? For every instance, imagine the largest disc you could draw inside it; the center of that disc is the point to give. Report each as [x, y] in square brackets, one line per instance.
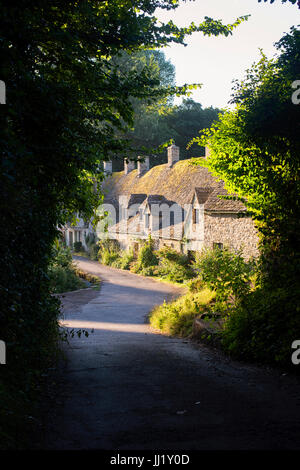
[67, 105]
[62, 271]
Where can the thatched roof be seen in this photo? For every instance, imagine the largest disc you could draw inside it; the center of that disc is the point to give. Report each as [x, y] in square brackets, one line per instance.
[215, 203]
[178, 185]
[136, 199]
[202, 194]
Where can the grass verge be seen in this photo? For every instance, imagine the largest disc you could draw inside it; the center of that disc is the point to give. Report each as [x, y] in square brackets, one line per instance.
[176, 317]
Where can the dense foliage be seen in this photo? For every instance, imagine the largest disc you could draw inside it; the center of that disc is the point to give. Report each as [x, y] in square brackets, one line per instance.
[256, 149]
[62, 272]
[66, 100]
[155, 125]
[165, 264]
[174, 266]
[177, 317]
[108, 251]
[147, 259]
[226, 272]
[219, 279]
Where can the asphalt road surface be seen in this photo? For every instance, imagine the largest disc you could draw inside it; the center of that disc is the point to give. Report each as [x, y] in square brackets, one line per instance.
[126, 386]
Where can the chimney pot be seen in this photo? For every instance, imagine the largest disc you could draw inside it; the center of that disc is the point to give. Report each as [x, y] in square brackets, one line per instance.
[107, 167]
[129, 165]
[143, 166]
[173, 155]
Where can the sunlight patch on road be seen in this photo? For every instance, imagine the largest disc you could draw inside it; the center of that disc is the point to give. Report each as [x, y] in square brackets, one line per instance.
[123, 327]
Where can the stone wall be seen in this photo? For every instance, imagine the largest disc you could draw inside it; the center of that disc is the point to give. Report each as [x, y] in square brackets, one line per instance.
[228, 229]
[232, 231]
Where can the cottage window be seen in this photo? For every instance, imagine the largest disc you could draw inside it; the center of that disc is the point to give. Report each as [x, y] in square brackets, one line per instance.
[146, 220]
[160, 220]
[217, 246]
[195, 216]
[172, 218]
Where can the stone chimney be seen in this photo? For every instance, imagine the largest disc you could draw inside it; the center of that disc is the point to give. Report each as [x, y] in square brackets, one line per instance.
[129, 165]
[143, 166]
[173, 155]
[107, 167]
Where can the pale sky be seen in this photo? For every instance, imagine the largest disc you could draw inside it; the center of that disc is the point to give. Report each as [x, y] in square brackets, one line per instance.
[216, 61]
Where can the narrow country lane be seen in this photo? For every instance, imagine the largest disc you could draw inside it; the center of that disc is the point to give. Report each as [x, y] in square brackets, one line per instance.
[128, 387]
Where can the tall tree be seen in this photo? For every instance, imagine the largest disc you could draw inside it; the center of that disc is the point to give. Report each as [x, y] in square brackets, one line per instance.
[186, 120]
[65, 101]
[148, 131]
[256, 149]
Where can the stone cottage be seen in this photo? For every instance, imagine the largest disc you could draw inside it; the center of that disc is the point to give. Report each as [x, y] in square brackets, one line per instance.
[177, 203]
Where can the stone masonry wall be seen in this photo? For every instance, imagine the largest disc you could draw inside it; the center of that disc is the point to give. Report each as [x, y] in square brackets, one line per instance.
[232, 231]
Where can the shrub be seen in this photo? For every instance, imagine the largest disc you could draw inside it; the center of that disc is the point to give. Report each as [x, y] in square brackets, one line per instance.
[224, 271]
[146, 258]
[174, 266]
[62, 272]
[149, 271]
[108, 251]
[78, 246]
[90, 239]
[108, 257]
[63, 280]
[92, 247]
[177, 317]
[61, 255]
[195, 284]
[93, 251]
[124, 260]
[263, 326]
[172, 255]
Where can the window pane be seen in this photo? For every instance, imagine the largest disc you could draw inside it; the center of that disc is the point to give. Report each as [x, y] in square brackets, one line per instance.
[172, 218]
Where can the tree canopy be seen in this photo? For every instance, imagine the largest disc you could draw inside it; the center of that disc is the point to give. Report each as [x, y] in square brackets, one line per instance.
[67, 101]
[255, 149]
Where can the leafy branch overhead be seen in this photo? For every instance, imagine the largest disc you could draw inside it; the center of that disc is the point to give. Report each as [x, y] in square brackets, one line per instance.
[255, 149]
[68, 102]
